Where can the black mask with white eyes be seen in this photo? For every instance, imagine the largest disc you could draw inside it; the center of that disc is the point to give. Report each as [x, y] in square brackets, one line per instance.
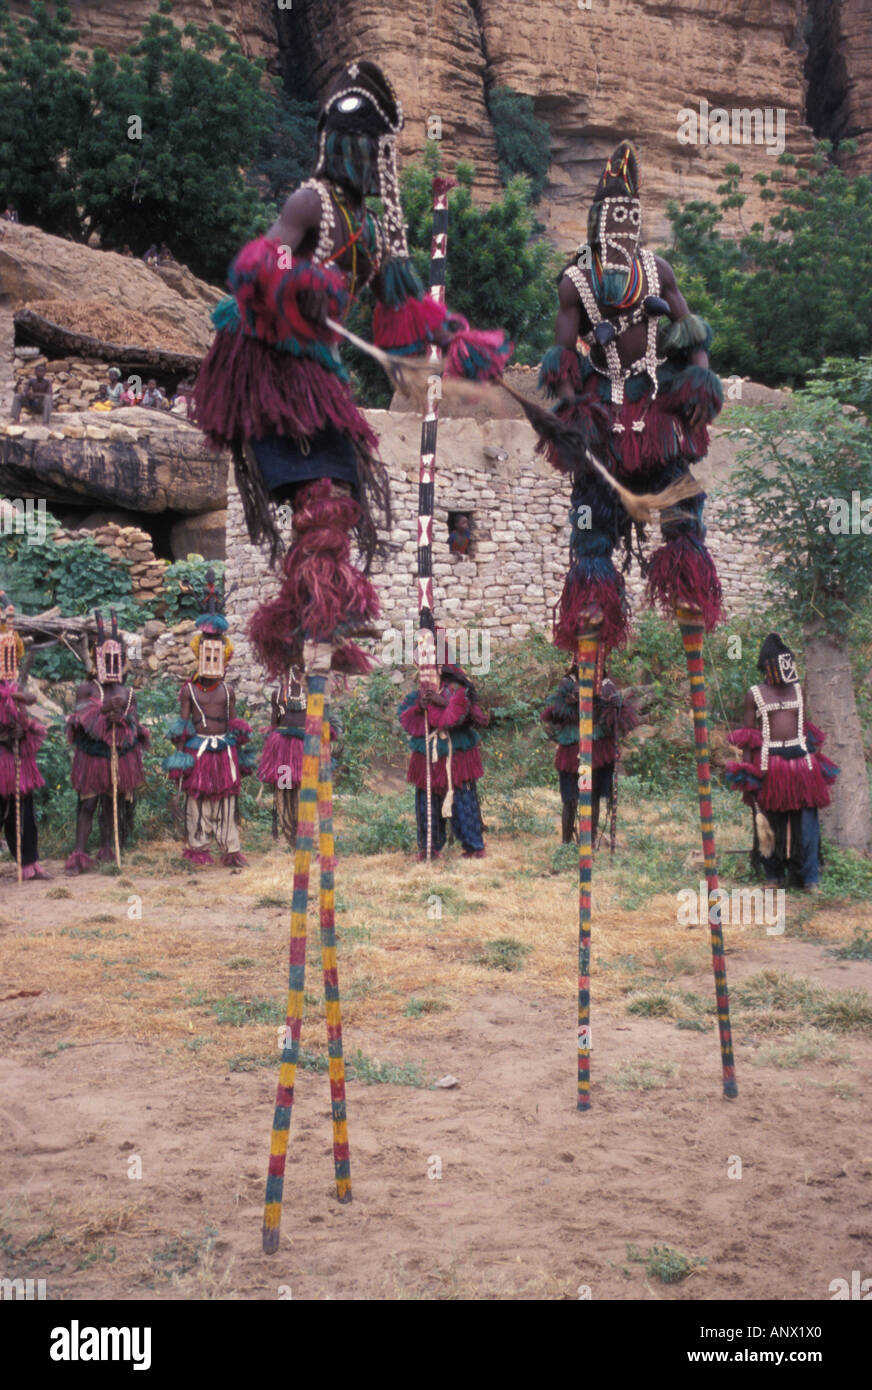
[620, 222]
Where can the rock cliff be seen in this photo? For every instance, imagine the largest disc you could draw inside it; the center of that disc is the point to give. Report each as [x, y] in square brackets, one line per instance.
[596, 69]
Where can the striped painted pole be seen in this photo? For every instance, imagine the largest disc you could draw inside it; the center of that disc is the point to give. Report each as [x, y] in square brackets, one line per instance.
[692, 629]
[336, 1068]
[272, 1214]
[586, 657]
[426, 638]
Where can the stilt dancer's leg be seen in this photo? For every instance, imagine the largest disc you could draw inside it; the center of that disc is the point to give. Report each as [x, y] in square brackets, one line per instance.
[19, 870]
[272, 1212]
[691, 626]
[327, 854]
[586, 654]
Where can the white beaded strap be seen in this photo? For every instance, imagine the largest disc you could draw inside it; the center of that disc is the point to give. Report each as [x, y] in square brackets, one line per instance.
[327, 227]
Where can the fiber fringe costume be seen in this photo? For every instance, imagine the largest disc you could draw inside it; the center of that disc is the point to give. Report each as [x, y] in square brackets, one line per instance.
[274, 388]
[785, 782]
[613, 717]
[208, 765]
[105, 712]
[634, 419]
[455, 762]
[281, 760]
[21, 734]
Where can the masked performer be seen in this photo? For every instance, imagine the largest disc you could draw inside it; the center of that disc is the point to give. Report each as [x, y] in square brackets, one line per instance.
[108, 739]
[20, 739]
[210, 757]
[613, 716]
[786, 778]
[454, 718]
[273, 387]
[281, 761]
[641, 398]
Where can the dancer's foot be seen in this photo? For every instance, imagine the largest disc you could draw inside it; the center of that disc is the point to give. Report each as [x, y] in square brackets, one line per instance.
[234, 861]
[422, 855]
[474, 854]
[34, 871]
[79, 863]
[197, 856]
[104, 854]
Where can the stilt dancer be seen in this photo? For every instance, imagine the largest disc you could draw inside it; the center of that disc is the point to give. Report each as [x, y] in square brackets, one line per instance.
[639, 402]
[274, 389]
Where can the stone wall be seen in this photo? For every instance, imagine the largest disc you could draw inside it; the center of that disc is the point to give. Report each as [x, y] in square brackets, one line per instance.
[519, 506]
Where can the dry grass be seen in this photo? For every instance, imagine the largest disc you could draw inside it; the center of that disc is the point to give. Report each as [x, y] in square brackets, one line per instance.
[406, 930]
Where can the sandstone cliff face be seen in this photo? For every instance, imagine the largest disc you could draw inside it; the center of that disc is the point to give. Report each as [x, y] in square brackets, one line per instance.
[839, 73]
[596, 69]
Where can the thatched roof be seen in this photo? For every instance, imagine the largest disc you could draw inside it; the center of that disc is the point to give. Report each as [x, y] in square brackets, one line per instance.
[95, 328]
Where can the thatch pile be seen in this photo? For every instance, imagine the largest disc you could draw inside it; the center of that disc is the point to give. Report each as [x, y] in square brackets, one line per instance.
[95, 328]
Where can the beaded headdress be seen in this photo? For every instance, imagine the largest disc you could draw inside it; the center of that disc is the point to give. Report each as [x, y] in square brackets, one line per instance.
[211, 647]
[777, 662]
[614, 223]
[108, 651]
[361, 115]
[11, 645]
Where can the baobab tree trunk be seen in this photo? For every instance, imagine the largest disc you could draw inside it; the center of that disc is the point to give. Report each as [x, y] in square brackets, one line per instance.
[829, 690]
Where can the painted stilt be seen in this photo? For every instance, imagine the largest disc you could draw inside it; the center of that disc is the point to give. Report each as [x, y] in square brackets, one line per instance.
[692, 629]
[586, 657]
[318, 678]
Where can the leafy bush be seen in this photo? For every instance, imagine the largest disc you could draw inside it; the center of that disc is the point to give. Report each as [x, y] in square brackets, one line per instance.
[523, 141]
[184, 586]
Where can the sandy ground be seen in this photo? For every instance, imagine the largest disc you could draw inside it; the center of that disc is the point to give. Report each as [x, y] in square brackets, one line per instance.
[497, 1188]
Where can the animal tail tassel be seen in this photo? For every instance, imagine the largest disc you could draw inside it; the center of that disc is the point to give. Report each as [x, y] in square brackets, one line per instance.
[691, 626]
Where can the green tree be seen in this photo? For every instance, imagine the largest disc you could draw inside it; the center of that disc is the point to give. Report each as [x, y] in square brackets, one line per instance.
[804, 479]
[791, 293]
[150, 146]
[201, 111]
[43, 105]
[523, 141]
[287, 150]
[499, 273]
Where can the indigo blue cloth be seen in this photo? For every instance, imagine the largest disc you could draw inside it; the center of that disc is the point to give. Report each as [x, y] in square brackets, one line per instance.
[465, 818]
[284, 465]
[803, 860]
[603, 781]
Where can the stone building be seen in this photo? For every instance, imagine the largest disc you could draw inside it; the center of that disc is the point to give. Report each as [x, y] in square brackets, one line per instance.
[518, 507]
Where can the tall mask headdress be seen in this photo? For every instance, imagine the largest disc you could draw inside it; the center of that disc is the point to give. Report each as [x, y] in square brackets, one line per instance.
[11, 645]
[108, 651]
[777, 662]
[614, 223]
[357, 141]
[211, 647]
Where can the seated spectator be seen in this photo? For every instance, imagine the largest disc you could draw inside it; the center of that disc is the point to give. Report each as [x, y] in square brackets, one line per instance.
[126, 251]
[151, 255]
[165, 256]
[132, 393]
[10, 215]
[181, 403]
[460, 535]
[114, 389]
[36, 396]
[153, 397]
[101, 401]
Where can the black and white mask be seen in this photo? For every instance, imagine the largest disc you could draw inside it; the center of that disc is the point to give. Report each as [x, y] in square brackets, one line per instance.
[619, 229]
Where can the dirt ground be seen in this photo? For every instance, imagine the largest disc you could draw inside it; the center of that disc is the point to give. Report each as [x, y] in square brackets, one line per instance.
[154, 1037]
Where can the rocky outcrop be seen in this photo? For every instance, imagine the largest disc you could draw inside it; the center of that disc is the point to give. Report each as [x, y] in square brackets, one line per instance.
[37, 266]
[838, 70]
[596, 72]
[146, 461]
